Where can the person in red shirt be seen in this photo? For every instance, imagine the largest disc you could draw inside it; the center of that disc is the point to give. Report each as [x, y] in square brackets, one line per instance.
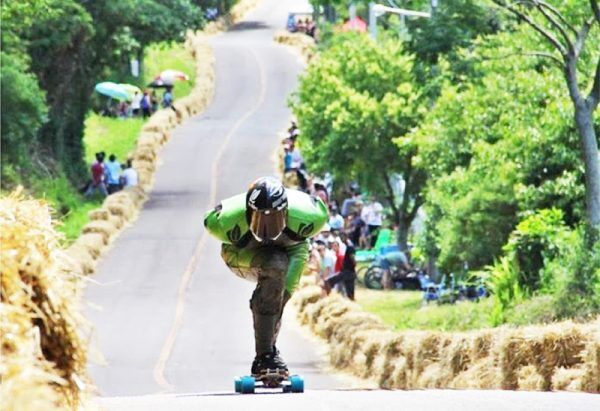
[98, 183]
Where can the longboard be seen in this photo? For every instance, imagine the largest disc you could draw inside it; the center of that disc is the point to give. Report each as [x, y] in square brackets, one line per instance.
[271, 379]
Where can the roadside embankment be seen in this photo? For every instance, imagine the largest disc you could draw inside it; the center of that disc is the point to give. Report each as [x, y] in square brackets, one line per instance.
[562, 356]
[304, 44]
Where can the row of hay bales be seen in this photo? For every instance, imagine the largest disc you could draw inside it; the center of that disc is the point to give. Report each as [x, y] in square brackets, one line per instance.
[305, 44]
[563, 356]
[43, 358]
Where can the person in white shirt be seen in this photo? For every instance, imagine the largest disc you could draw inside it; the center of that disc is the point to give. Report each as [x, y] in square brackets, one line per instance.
[135, 104]
[336, 221]
[130, 176]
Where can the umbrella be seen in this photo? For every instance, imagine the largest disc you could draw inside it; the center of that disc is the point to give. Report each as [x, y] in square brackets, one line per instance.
[112, 90]
[356, 24]
[131, 90]
[159, 83]
[169, 77]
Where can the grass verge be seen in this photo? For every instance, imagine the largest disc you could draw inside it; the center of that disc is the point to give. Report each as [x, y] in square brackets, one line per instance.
[404, 310]
[164, 56]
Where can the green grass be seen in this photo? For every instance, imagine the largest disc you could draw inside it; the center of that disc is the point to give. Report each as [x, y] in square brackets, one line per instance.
[112, 135]
[164, 56]
[69, 207]
[404, 310]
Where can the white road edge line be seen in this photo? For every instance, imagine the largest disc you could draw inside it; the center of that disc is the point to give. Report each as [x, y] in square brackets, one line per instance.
[159, 367]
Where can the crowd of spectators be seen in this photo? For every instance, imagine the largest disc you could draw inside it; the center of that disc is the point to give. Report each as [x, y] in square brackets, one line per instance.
[108, 177]
[141, 104]
[298, 25]
[356, 224]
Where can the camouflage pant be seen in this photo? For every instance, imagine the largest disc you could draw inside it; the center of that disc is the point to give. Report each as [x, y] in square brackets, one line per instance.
[268, 267]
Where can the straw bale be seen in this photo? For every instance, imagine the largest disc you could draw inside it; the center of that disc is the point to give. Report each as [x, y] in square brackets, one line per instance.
[590, 381]
[480, 374]
[456, 358]
[104, 228]
[513, 351]
[93, 242]
[568, 379]
[151, 139]
[146, 153]
[305, 296]
[530, 379]
[82, 256]
[42, 351]
[99, 214]
[398, 376]
[481, 344]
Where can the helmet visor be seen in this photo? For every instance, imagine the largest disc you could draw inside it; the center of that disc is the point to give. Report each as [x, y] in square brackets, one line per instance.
[267, 225]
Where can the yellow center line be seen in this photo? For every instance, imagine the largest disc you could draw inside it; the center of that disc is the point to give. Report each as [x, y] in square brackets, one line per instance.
[167, 348]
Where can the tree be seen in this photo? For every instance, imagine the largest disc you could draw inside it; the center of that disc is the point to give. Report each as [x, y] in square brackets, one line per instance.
[566, 30]
[351, 104]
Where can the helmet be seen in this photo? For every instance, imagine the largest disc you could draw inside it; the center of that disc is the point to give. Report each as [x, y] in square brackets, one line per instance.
[266, 203]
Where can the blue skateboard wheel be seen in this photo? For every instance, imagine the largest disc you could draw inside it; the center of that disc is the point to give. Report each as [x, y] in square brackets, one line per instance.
[238, 385]
[296, 383]
[247, 385]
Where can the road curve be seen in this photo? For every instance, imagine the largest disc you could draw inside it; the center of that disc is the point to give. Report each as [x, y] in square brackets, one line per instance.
[168, 314]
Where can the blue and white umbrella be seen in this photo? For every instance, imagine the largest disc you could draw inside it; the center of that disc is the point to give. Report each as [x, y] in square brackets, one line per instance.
[112, 90]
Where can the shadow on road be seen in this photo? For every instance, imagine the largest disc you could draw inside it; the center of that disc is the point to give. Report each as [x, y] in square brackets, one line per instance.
[249, 25]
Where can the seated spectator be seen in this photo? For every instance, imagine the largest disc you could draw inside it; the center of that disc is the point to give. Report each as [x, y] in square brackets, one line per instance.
[167, 100]
[129, 178]
[98, 183]
[112, 170]
[336, 221]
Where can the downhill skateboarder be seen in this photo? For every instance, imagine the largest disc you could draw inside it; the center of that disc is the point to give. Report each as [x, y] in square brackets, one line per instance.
[264, 234]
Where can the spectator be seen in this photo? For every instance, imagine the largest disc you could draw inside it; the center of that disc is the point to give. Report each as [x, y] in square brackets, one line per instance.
[336, 221]
[311, 29]
[355, 227]
[146, 105]
[112, 171]
[154, 101]
[129, 178]
[327, 263]
[347, 274]
[135, 104]
[287, 159]
[98, 183]
[123, 109]
[167, 100]
[351, 204]
[372, 216]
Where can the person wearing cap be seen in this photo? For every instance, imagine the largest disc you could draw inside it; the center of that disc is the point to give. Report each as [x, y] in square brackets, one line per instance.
[265, 234]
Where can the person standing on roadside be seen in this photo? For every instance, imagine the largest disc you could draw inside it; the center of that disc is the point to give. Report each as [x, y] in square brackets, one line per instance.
[113, 174]
[135, 104]
[98, 179]
[347, 274]
[146, 105]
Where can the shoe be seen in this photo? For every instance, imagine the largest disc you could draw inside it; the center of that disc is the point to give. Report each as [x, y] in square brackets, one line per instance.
[269, 362]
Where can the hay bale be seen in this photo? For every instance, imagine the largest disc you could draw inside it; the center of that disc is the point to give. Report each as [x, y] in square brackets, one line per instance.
[104, 228]
[93, 242]
[42, 351]
[83, 257]
[513, 352]
[99, 214]
[568, 379]
[528, 378]
[590, 380]
[482, 374]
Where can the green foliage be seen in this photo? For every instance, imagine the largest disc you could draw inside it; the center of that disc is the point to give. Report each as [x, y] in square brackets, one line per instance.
[351, 104]
[534, 241]
[23, 112]
[503, 282]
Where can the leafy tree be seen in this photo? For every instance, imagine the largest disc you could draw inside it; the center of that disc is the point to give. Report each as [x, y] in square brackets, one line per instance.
[494, 150]
[352, 102]
[566, 28]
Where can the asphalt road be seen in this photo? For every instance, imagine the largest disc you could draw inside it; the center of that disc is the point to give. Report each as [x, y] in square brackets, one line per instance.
[155, 334]
[172, 323]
